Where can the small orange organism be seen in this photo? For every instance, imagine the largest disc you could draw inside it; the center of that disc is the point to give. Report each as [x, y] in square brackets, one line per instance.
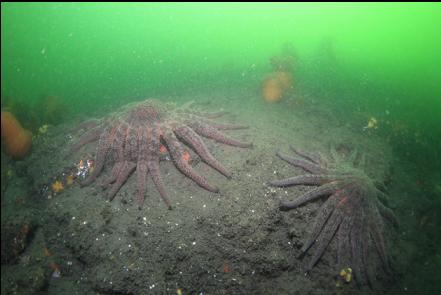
[162, 149]
[272, 89]
[226, 267]
[46, 252]
[57, 186]
[186, 156]
[276, 85]
[16, 140]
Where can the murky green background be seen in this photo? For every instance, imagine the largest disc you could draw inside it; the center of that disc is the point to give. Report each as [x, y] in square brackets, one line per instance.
[384, 57]
[367, 60]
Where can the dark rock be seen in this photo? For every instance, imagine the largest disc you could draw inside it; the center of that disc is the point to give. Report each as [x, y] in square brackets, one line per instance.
[14, 240]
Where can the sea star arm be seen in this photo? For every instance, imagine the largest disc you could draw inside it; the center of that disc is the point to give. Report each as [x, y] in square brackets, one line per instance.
[311, 157]
[194, 140]
[321, 191]
[326, 236]
[89, 137]
[211, 132]
[387, 213]
[141, 172]
[322, 217]
[224, 126]
[102, 151]
[305, 165]
[151, 137]
[343, 240]
[123, 175]
[177, 153]
[307, 179]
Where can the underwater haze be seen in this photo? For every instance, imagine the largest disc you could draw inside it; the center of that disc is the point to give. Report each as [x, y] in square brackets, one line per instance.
[370, 72]
[93, 54]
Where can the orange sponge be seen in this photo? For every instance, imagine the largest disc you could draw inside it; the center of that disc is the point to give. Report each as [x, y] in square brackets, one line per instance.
[272, 89]
[16, 140]
[276, 85]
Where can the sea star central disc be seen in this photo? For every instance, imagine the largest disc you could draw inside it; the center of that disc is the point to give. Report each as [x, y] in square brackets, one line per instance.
[134, 138]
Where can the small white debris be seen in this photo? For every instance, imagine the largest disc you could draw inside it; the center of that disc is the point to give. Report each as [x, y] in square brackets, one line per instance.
[56, 274]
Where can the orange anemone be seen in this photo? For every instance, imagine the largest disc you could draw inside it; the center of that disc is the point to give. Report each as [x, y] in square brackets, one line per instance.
[17, 140]
[272, 89]
[276, 85]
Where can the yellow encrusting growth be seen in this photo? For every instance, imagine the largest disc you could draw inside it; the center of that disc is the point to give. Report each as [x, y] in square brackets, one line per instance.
[346, 274]
[57, 186]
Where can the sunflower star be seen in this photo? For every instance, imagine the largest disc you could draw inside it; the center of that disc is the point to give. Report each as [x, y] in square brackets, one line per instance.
[135, 137]
[352, 211]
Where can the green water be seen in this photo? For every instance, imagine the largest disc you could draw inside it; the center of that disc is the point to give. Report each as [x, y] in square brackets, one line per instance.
[375, 60]
[387, 54]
